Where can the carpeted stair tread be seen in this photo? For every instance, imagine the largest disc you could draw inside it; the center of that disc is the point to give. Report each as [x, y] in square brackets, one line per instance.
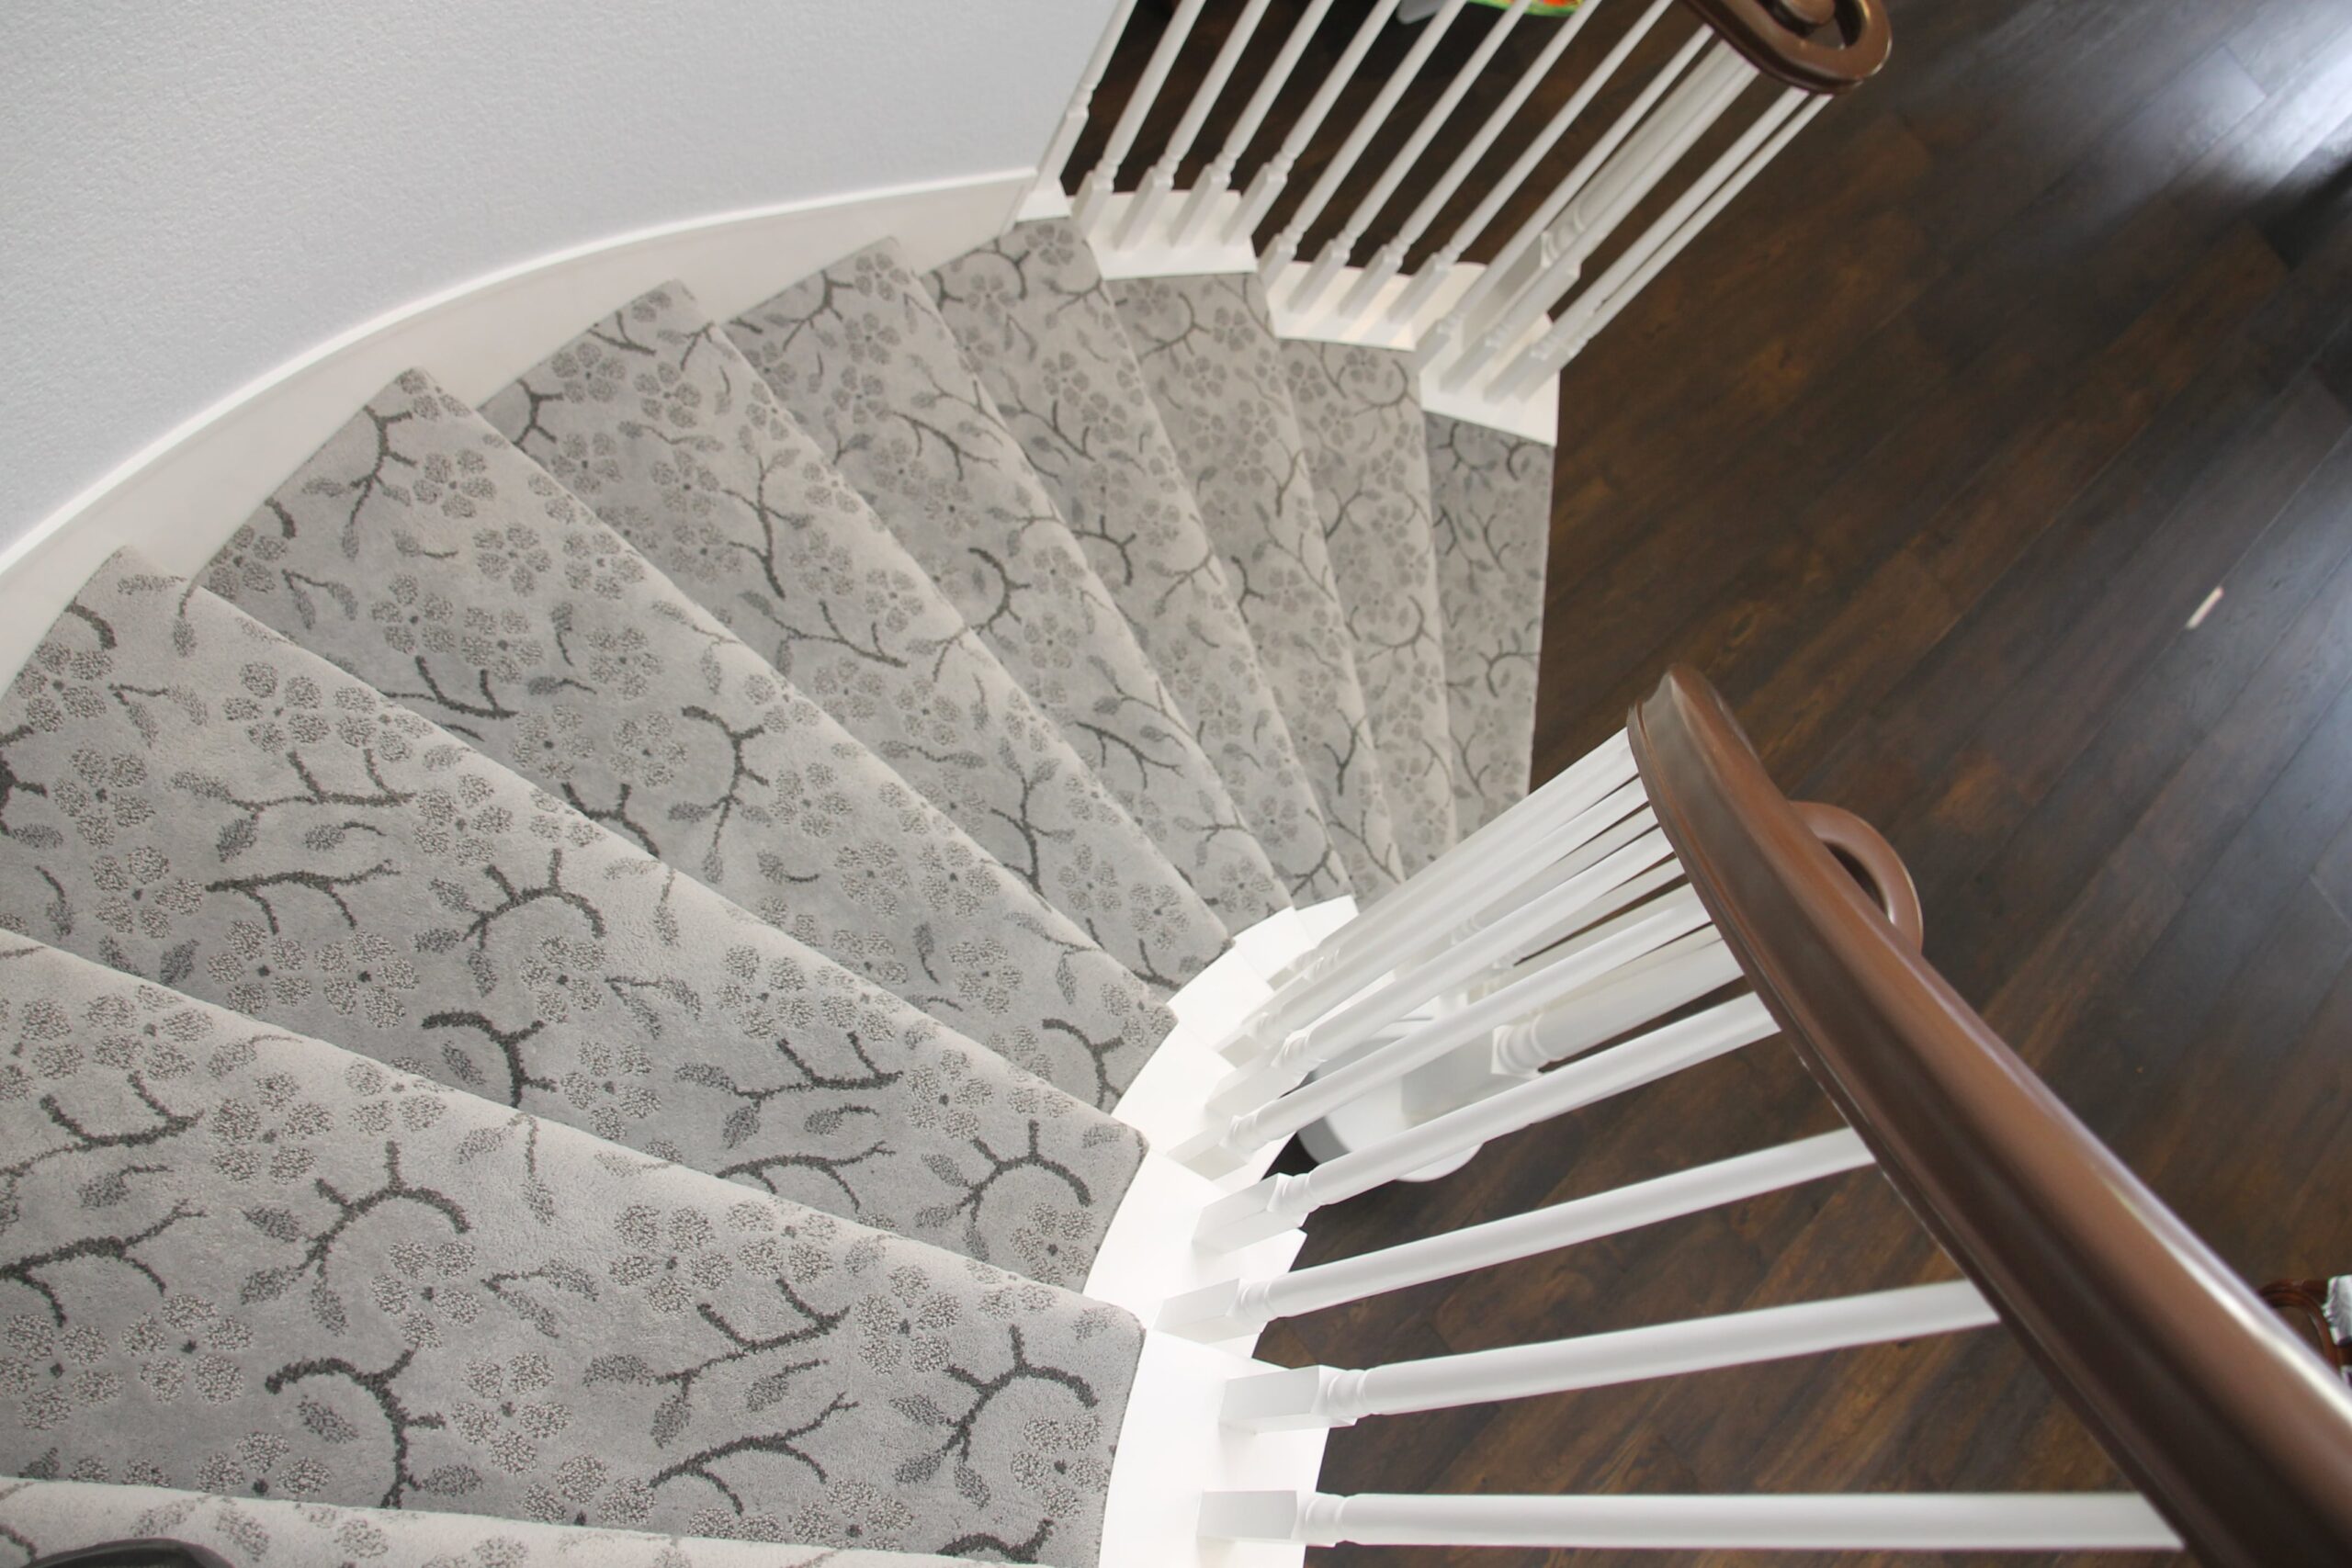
[188, 796]
[421, 552]
[1360, 409]
[655, 420]
[862, 358]
[1490, 516]
[38, 1519]
[1209, 355]
[239, 1260]
[1036, 321]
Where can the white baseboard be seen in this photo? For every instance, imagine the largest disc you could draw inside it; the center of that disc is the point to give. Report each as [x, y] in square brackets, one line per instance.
[179, 500]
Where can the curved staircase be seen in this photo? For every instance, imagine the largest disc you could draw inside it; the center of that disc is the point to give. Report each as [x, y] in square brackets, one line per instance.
[704, 963]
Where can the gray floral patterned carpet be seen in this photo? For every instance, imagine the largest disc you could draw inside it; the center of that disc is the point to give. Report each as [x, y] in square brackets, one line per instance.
[567, 997]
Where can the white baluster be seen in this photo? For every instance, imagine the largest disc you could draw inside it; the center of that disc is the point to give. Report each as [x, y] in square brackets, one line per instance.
[1650, 987]
[1276, 172]
[1242, 1306]
[1619, 186]
[1049, 172]
[1548, 358]
[1576, 863]
[1390, 258]
[1286, 246]
[1217, 178]
[1277, 1203]
[1153, 192]
[1337, 250]
[1220, 1151]
[1523, 167]
[1544, 920]
[1516, 844]
[1458, 323]
[1658, 244]
[1837, 1521]
[1102, 182]
[1325, 1396]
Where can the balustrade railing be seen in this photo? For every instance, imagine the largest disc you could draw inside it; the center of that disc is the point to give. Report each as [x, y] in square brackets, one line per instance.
[1658, 904]
[1654, 907]
[1718, 89]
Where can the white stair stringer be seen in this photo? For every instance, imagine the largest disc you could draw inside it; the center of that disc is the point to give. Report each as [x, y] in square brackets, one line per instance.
[1174, 1445]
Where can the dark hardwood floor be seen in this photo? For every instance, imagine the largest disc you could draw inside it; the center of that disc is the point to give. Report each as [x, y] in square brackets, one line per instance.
[1925, 454]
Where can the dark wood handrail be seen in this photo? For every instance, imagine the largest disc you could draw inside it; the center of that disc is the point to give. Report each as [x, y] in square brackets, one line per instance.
[2238, 1433]
[1822, 46]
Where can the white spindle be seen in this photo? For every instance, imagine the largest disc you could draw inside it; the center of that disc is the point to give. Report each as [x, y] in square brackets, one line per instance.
[1649, 987]
[1619, 187]
[1658, 244]
[1549, 358]
[1457, 325]
[1276, 1203]
[1073, 126]
[1100, 183]
[1837, 1521]
[1558, 913]
[1153, 192]
[1319, 195]
[1276, 172]
[1562, 871]
[1217, 178]
[1327, 1396]
[1220, 1153]
[1341, 247]
[1516, 845]
[1390, 258]
[1502, 839]
[1433, 271]
[1241, 1306]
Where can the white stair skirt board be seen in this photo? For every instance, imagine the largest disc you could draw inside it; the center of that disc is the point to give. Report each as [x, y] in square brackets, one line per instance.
[1174, 1448]
[1149, 1256]
[1173, 1445]
[178, 500]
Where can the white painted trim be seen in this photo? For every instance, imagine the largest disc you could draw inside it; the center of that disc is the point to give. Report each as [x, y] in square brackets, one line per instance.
[1173, 1449]
[1156, 252]
[179, 499]
[1147, 1257]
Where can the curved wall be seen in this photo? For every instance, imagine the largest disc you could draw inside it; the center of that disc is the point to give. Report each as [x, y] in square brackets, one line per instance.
[193, 193]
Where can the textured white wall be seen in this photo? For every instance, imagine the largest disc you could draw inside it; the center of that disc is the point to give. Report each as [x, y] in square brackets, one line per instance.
[194, 191]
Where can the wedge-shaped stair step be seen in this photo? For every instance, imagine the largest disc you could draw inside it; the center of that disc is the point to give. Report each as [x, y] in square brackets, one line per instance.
[652, 417]
[1490, 513]
[1208, 352]
[44, 1518]
[862, 358]
[520, 622]
[1360, 409]
[242, 1261]
[1036, 320]
[190, 797]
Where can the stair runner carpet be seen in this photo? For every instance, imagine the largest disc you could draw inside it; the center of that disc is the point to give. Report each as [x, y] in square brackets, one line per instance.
[1038, 319]
[228, 814]
[864, 360]
[567, 995]
[1360, 412]
[1208, 352]
[337, 1279]
[689, 457]
[526, 625]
